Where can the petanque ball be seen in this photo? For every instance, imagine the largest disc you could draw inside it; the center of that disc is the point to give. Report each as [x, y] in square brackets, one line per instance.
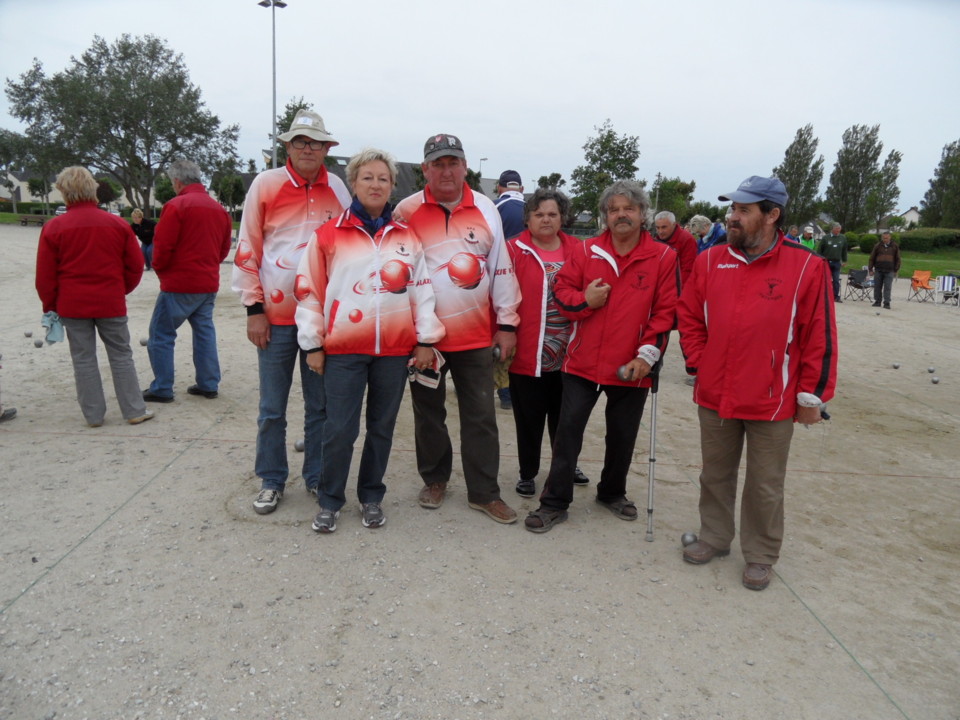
[144, 341]
[931, 369]
[28, 333]
[935, 380]
[38, 343]
[298, 445]
[896, 366]
[688, 538]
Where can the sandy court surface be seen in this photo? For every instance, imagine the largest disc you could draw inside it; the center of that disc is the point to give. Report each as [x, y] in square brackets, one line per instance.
[136, 581]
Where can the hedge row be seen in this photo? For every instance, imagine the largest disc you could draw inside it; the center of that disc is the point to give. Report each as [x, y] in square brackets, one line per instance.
[919, 240]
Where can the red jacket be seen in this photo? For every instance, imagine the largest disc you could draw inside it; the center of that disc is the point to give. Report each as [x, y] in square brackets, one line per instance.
[757, 334]
[87, 262]
[686, 247]
[192, 239]
[639, 311]
[364, 295]
[534, 293]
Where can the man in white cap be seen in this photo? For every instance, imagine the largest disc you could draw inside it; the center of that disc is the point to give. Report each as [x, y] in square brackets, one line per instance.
[473, 281]
[283, 209]
[807, 239]
[757, 328]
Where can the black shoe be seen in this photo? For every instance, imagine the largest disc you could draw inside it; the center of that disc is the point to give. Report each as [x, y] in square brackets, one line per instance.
[526, 488]
[886, 306]
[579, 478]
[837, 300]
[208, 394]
[876, 304]
[150, 397]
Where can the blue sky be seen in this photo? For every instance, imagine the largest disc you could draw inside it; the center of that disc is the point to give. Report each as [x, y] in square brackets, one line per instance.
[714, 91]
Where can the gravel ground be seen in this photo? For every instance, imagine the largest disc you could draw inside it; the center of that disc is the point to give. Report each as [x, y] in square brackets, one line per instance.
[136, 581]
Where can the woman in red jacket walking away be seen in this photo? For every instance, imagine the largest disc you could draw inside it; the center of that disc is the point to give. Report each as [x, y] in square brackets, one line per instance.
[88, 261]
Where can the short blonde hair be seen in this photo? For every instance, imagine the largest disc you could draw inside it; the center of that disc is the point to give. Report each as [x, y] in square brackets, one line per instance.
[76, 184]
[369, 155]
[135, 212]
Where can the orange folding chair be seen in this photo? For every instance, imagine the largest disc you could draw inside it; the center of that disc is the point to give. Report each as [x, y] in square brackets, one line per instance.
[920, 288]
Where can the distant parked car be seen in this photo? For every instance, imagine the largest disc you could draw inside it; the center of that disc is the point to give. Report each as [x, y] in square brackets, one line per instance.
[61, 209]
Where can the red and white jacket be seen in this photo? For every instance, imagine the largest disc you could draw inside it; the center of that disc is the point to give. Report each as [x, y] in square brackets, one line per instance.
[532, 278]
[756, 334]
[470, 268]
[362, 294]
[282, 211]
[639, 311]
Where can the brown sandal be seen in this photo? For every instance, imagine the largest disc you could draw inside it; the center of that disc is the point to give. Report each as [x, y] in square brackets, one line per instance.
[621, 507]
[541, 519]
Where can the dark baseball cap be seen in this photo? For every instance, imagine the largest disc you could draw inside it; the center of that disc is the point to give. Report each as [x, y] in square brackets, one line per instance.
[510, 177]
[756, 188]
[442, 145]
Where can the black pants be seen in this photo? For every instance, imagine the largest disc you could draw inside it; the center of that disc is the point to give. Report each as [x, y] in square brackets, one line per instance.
[536, 400]
[623, 413]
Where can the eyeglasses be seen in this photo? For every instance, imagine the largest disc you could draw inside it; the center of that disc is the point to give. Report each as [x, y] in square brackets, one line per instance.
[300, 144]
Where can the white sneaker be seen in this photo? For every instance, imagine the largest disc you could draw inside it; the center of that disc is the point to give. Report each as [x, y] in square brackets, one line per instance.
[267, 501]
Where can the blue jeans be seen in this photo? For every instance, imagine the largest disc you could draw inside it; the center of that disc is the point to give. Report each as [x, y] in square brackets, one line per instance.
[346, 377]
[276, 365]
[835, 266]
[147, 256]
[171, 310]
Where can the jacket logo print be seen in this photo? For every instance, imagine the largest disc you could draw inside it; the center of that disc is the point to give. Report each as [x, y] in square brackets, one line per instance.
[772, 292]
[639, 281]
[402, 250]
[471, 237]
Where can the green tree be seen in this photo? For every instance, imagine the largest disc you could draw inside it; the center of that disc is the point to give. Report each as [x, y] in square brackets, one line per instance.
[940, 206]
[608, 157]
[675, 195]
[473, 180]
[163, 189]
[884, 194]
[284, 121]
[12, 153]
[554, 181]
[707, 209]
[107, 191]
[801, 172]
[251, 165]
[853, 176]
[39, 187]
[128, 109]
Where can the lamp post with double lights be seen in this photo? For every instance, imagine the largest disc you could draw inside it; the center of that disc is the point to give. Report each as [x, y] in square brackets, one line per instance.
[273, 5]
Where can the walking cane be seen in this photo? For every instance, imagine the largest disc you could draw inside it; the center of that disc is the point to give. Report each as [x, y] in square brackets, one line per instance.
[653, 448]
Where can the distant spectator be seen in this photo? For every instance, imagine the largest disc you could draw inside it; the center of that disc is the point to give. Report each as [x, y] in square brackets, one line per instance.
[884, 264]
[707, 232]
[807, 239]
[793, 233]
[510, 203]
[683, 243]
[834, 248]
[143, 229]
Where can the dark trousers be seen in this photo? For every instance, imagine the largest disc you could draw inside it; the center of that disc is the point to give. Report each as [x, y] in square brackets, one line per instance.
[472, 373]
[623, 413]
[536, 400]
[835, 272]
[883, 285]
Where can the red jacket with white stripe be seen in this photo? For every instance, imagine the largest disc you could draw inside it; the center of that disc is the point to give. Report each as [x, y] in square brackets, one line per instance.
[756, 334]
[364, 295]
[639, 311]
[469, 266]
[528, 267]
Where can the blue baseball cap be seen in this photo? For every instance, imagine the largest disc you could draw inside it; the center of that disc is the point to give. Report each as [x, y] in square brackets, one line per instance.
[756, 188]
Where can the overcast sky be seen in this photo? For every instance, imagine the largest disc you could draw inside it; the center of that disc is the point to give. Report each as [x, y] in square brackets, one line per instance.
[715, 91]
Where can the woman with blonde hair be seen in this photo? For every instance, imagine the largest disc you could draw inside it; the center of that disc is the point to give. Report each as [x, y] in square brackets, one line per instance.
[365, 305]
[87, 263]
[143, 228]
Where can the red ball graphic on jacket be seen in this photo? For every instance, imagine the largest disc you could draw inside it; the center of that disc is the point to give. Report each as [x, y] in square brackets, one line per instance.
[465, 270]
[277, 296]
[355, 316]
[301, 288]
[395, 275]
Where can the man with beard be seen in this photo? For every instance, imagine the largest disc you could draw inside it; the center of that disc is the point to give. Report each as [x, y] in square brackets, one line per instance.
[757, 327]
[620, 289]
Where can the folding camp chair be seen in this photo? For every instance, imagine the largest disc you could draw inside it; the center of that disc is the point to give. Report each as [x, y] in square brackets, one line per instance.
[947, 290]
[920, 288]
[858, 287]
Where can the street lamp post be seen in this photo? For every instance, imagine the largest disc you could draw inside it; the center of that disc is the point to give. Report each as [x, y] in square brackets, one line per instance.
[480, 169]
[273, 5]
